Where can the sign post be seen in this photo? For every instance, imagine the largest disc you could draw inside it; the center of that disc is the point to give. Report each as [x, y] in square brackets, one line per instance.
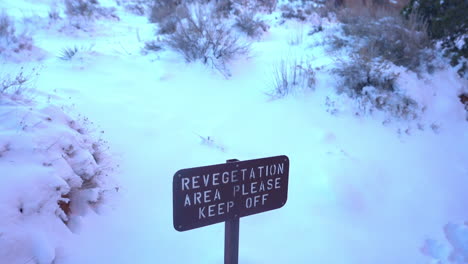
[225, 192]
[231, 237]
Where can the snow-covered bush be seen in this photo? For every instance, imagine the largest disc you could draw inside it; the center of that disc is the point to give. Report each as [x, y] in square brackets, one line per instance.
[151, 46]
[270, 5]
[387, 35]
[88, 9]
[290, 12]
[84, 8]
[250, 25]
[53, 170]
[360, 73]
[12, 86]
[137, 7]
[302, 9]
[290, 76]
[10, 41]
[201, 36]
[374, 88]
[164, 13]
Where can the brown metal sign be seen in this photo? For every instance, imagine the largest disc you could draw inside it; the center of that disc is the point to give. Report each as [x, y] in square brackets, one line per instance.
[207, 195]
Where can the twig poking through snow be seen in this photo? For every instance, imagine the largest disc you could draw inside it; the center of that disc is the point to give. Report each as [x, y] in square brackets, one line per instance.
[209, 141]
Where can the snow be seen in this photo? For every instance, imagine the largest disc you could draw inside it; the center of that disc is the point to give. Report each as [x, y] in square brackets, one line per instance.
[363, 188]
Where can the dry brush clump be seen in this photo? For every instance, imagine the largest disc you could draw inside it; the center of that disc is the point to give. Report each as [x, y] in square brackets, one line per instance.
[10, 40]
[164, 13]
[385, 34]
[88, 9]
[374, 86]
[290, 76]
[13, 84]
[16, 85]
[137, 7]
[201, 36]
[251, 25]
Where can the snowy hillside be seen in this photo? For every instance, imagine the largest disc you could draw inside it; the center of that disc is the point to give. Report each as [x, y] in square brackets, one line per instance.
[99, 110]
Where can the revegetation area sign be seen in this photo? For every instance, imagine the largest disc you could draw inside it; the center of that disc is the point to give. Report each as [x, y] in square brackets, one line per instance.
[212, 194]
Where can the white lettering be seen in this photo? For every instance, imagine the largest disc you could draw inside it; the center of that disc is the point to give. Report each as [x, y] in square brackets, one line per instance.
[252, 174]
[255, 200]
[234, 176]
[253, 187]
[230, 205]
[211, 210]
[195, 183]
[264, 196]
[185, 183]
[206, 179]
[206, 196]
[196, 197]
[243, 174]
[236, 189]
[201, 212]
[217, 196]
[225, 177]
[262, 187]
[248, 202]
[243, 190]
[261, 169]
[281, 168]
[272, 170]
[270, 184]
[277, 183]
[187, 200]
[221, 208]
[215, 179]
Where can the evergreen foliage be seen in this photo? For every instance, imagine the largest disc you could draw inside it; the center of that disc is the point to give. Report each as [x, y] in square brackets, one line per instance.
[447, 21]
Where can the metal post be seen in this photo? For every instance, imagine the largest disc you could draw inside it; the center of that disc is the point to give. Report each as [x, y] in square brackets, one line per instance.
[231, 237]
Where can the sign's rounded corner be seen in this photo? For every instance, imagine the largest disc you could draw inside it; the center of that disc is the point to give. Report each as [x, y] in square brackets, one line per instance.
[283, 203]
[178, 227]
[178, 174]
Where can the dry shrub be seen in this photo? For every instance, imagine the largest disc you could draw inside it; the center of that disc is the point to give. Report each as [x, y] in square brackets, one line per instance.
[200, 36]
[88, 9]
[374, 88]
[162, 9]
[165, 13]
[16, 85]
[7, 28]
[270, 5]
[290, 76]
[382, 33]
[137, 7]
[250, 25]
[10, 41]
[360, 73]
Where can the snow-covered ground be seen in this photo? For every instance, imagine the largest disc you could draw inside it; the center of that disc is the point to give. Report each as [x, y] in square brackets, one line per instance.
[363, 188]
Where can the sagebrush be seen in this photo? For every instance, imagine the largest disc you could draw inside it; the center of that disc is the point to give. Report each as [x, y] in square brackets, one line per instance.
[200, 36]
[374, 87]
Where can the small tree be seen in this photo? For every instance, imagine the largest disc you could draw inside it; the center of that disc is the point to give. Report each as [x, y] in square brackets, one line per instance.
[447, 21]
